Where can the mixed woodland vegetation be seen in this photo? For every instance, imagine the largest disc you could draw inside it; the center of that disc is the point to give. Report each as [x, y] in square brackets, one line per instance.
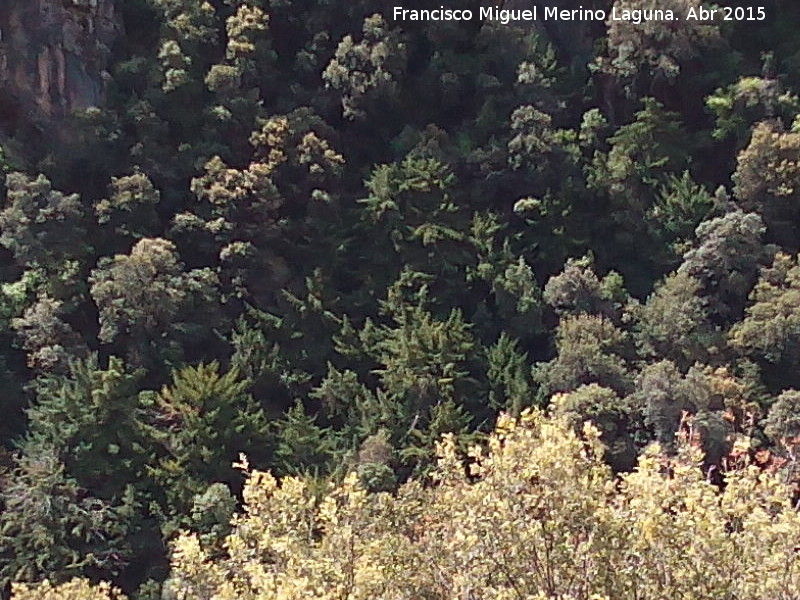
[321, 305]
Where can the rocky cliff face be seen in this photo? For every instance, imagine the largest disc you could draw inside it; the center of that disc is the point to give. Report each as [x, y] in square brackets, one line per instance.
[53, 55]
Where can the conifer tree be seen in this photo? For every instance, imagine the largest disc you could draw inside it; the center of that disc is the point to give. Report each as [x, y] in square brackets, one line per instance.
[421, 364]
[302, 446]
[91, 418]
[202, 421]
[52, 527]
[511, 388]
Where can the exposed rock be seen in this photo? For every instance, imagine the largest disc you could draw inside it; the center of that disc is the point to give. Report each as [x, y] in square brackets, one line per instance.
[53, 55]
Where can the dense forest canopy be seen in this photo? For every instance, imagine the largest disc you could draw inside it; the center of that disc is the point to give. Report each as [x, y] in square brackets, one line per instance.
[307, 233]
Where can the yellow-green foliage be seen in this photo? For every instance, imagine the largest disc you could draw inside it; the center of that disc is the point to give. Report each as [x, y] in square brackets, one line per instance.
[77, 589]
[536, 514]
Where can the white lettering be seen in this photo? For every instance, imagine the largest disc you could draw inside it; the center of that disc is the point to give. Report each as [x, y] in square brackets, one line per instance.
[638, 16]
[552, 13]
[506, 15]
[431, 14]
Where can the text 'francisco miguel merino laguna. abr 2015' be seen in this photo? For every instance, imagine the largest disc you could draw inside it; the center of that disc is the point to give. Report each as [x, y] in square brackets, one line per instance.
[554, 13]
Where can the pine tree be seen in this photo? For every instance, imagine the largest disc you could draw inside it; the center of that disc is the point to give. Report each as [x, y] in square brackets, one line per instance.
[202, 421]
[419, 364]
[91, 418]
[51, 527]
[302, 446]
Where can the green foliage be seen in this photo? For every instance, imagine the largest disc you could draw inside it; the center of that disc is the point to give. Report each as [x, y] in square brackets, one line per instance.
[662, 392]
[650, 46]
[536, 515]
[613, 416]
[51, 343]
[533, 137]
[302, 446]
[769, 330]
[577, 290]
[189, 20]
[767, 178]
[710, 396]
[751, 99]
[518, 298]
[13, 404]
[239, 198]
[515, 305]
[15, 295]
[411, 206]
[368, 223]
[348, 401]
[368, 69]
[4, 165]
[144, 296]
[375, 458]
[642, 160]
[421, 358]
[510, 386]
[679, 208]
[642, 155]
[590, 349]
[725, 260]
[202, 421]
[90, 417]
[423, 377]
[674, 323]
[131, 208]
[41, 226]
[51, 527]
[260, 357]
[211, 513]
[783, 422]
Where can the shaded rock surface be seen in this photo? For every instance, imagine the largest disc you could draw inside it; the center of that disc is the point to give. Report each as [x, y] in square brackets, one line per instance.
[53, 55]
